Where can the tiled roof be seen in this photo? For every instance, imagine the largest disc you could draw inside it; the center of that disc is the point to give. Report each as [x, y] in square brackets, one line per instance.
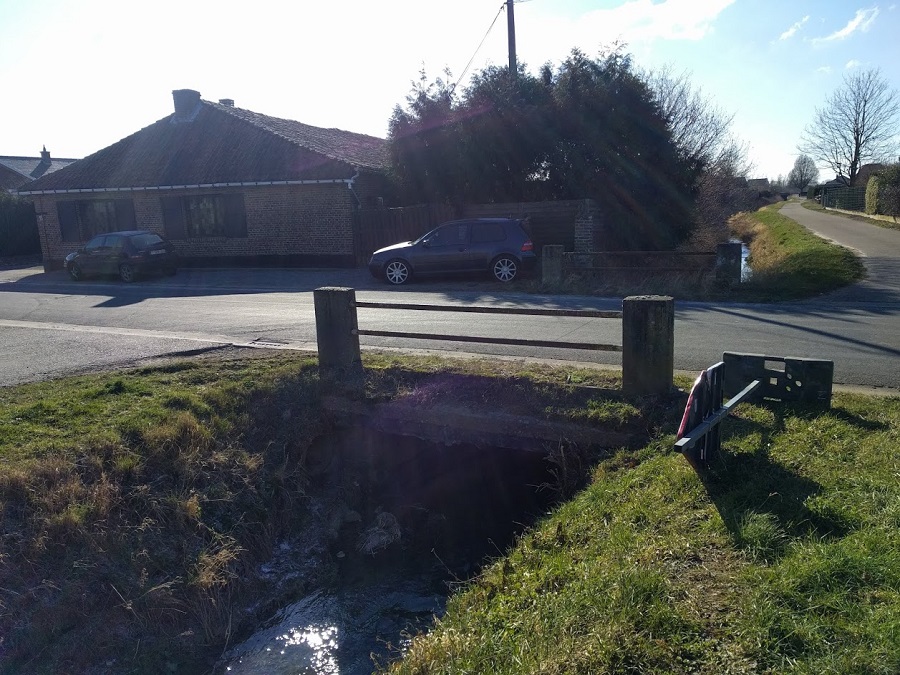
[221, 144]
[34, 167]
[359, 150]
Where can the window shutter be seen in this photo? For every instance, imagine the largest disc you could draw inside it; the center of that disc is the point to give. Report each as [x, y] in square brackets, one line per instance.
[173, 217]
[235, 216]
[67, 212]
[125, 219]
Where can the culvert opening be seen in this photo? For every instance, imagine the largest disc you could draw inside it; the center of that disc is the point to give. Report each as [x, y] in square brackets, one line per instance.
[399, 522]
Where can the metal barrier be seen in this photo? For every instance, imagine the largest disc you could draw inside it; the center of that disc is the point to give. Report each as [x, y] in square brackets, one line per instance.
[648, 342]
[739, 377]
[699, 437]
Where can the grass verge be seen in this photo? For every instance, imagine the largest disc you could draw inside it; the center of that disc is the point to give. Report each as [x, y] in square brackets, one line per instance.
[786, 560]
[788, 261]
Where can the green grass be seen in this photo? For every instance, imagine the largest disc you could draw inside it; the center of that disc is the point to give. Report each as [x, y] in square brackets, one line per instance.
[815, 206]
[788, 261]
[786, 560]
[134, 504]
[131, 501]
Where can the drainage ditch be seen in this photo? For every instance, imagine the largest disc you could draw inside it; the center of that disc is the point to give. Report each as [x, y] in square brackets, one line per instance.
[395, 523]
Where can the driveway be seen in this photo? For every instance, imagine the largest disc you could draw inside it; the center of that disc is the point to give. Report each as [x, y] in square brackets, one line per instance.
[879, 246]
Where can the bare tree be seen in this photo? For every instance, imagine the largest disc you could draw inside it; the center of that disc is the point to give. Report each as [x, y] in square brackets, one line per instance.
[700, 130]
[804, 172]
[702, 133]
[857, 124]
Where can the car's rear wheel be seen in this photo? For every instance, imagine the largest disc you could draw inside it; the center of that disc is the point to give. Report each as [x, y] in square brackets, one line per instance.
[75, 272]
[397, 272]
[505, 268]
[126, 272]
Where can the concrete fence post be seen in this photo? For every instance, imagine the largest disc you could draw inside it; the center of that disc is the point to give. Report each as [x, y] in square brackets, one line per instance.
[728, 262]
[648, 344]
[340, 365]
[552, 265]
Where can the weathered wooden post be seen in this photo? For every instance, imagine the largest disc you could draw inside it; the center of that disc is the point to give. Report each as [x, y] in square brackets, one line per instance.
[728, 262]
[340, 365]
[552, 265]
[648, 344]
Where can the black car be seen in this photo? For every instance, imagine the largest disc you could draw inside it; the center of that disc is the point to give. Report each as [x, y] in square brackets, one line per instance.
[500, 246]
[126, 254]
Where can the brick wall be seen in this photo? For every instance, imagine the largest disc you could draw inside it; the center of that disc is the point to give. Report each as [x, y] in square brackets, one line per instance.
[309, 224]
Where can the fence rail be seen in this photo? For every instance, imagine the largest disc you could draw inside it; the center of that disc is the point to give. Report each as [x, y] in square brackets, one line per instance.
[516, 342]
[648, 336]
[585, 313]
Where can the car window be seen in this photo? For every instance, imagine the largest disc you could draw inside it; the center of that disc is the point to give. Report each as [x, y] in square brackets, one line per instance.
[142, 241]
[95, 244]
[450, 235]
[114, 242]
[486, 232]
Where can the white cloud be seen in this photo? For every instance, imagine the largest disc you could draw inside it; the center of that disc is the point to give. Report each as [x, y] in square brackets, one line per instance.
[853, 63]
[670, 20]
[825, 70]
[861, 22]
[550, 36]
[790, 32]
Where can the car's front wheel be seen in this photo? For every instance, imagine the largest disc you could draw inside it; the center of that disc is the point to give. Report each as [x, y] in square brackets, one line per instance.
[505, 268]
[75, 272]
[397, 272]
[126, 272]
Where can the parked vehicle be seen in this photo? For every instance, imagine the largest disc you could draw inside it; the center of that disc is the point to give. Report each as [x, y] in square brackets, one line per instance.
[499, 246]
[126, 254]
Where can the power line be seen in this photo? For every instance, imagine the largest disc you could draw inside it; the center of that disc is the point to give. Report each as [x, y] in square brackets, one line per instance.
[466, 69]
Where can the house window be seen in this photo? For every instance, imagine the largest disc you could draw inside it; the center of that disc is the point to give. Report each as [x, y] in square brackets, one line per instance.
[85, 218]
[201, 216]
[205, 216]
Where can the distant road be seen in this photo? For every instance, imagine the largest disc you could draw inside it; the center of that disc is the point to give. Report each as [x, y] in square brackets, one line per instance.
[879, 246]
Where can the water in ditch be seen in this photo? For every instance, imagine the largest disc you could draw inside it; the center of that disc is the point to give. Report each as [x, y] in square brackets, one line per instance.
[399, 522]
[746, 271]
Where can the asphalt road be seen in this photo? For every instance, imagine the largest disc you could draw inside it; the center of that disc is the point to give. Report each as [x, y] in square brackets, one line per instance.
[878, 246]
[50, 326]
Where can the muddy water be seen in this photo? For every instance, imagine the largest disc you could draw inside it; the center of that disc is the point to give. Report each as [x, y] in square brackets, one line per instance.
[403, 522]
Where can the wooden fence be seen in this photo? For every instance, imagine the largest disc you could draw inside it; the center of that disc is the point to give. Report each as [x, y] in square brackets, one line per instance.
[377, 228]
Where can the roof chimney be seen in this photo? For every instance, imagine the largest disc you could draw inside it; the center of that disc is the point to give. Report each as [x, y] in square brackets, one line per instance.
[186, 101]
[227, 101]
[45, 156]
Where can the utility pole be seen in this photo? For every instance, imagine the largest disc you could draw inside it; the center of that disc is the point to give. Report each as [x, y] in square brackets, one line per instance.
[511, 30]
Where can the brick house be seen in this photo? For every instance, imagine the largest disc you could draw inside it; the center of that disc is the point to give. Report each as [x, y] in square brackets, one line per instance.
[225, 185]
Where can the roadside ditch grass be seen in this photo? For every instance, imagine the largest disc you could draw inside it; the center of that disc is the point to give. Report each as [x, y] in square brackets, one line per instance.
[785, 560]
[136, 506]
[788, 261]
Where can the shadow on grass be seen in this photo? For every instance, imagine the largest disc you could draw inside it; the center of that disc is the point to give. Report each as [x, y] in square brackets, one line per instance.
[763, 503]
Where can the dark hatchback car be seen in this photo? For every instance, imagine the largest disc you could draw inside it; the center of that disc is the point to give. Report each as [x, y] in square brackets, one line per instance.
[499, 246]
[126, 254]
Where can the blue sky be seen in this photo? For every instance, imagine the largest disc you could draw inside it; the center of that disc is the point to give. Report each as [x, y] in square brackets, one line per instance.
[78, 76]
